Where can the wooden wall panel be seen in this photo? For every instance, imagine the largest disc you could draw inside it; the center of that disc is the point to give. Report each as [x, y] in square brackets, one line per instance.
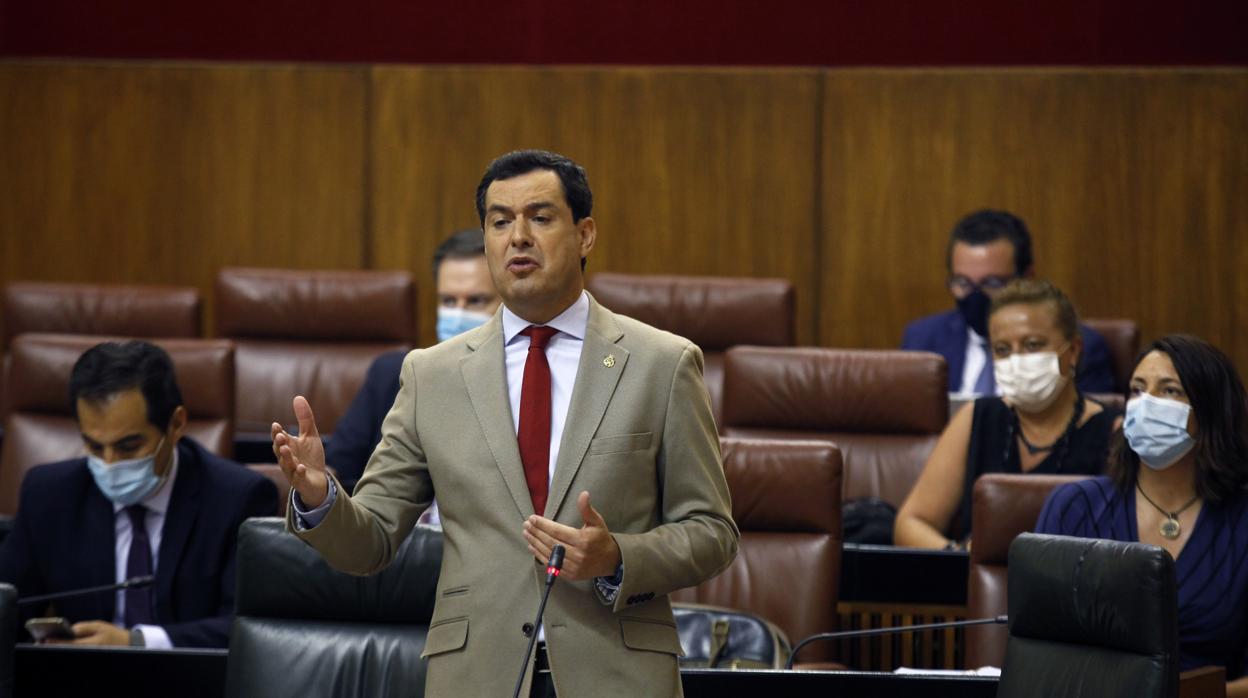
[1133, 183]
[693, 172]
[163, 173]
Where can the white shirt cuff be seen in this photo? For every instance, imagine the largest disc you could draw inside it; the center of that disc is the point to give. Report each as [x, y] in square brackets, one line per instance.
[310, 518]
[155, 637]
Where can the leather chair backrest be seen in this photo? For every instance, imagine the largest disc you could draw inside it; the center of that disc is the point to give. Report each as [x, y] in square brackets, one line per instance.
[1090, 618]
[1122, 336]
[786, 502]
[303, 629]
[713, 312]
[1002, 507]
[95, 309]
[310, 333]
[883, 409]
[40, 427]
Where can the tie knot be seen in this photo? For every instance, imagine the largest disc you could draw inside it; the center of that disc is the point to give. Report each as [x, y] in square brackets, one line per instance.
[138, 515]
[539, 335]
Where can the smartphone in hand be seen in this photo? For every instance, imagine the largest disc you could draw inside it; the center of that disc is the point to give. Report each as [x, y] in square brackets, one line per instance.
[49, 629]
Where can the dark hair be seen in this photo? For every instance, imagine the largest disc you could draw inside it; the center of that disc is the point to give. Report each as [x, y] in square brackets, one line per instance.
[108, 369]
[989, 225]
[1218, 401]
[518, 162]
[1035, 291]
[462, 244]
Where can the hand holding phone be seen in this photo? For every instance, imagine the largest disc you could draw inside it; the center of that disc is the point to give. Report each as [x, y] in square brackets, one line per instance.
[44, 629]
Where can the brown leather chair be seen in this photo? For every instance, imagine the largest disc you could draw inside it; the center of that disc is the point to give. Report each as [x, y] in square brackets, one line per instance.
[786, 502]
[883, 409]
[1122, 336]
[713, 312]
[311, 333]
[41, 429]
[96, 309]
[1003, 506]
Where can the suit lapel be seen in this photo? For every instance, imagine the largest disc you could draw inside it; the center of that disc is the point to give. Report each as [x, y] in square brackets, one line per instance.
[485, 376]
[179, 522]
[100, 536]
[596, 379]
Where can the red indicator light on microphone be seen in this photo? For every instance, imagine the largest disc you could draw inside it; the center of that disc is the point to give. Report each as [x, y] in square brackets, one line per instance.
[552, 570]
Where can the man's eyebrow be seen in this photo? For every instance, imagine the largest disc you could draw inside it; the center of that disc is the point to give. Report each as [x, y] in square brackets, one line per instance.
[123, 441]
[498, 208]
[538, 204]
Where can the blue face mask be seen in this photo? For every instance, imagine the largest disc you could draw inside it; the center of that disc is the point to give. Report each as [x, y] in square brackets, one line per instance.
[454, 321]
[1156, 429]
[126, 482]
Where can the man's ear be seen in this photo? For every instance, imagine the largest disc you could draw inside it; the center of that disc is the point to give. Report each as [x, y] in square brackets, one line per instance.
[588, 230]
[177, 423]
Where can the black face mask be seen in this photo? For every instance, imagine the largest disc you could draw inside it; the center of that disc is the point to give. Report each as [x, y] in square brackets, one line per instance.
[974, 309]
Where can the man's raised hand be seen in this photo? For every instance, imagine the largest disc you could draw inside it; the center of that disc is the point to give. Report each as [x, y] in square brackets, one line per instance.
[302, 457]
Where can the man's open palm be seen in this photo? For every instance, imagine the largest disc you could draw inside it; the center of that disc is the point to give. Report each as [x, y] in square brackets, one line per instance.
[302, 457]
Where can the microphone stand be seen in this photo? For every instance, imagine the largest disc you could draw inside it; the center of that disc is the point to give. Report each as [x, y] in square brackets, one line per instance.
[552, 572]
[128, 584]
[998, 620]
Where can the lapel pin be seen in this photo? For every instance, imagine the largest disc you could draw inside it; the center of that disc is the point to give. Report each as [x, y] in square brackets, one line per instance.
[609, 361]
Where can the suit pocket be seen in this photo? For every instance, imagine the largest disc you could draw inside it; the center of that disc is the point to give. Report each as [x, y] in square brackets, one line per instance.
[650, 635]
[446, 636]
[619, 444]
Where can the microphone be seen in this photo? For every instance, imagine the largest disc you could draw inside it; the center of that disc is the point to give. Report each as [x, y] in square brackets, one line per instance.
[998, 620]
[553, 567]
[131, 583]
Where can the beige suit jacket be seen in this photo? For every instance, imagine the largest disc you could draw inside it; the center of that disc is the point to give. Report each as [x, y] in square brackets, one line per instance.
[639, 437]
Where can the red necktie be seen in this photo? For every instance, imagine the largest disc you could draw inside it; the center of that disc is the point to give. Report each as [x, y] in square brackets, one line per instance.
[534, 431]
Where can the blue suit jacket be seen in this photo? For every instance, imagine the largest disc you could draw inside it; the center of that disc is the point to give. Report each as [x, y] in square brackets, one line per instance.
[63, 539]
[359, 430]
[945, 334]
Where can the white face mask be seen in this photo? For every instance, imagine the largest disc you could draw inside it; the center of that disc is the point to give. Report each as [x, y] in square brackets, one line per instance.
[1030, 382]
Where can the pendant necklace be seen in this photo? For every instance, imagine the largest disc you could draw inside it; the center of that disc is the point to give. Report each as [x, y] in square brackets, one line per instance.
[1170, 528]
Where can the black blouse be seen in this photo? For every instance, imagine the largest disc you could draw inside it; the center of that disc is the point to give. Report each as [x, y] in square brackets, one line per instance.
[988, 453]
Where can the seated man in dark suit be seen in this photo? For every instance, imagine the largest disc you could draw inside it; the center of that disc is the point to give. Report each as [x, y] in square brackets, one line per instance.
[466, 299]
[145, 501]
[988, 249]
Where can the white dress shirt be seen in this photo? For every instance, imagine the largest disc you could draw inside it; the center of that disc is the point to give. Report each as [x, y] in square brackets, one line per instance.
[157, 504]
[563, 353]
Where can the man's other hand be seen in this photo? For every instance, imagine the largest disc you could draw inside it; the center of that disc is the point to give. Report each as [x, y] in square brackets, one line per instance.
[590, 550]
[302, 458]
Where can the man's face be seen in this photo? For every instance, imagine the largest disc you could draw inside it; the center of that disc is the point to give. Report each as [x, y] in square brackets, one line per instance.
[117, 429]
[533, 247]
[989, 267]
[466, 284]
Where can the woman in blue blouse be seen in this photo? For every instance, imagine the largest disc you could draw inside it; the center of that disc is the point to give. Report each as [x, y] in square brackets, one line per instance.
[1186, 426]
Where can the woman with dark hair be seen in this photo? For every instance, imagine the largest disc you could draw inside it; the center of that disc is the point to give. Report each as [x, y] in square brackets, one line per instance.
[1186, 424]
[1040, 424]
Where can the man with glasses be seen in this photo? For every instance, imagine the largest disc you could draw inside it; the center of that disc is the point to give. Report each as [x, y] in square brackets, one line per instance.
[988, 249]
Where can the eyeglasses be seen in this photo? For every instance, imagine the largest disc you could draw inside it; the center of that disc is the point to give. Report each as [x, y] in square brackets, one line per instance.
[961, 287]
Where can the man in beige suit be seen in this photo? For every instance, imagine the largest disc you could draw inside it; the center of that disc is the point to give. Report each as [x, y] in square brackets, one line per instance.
[628, 422]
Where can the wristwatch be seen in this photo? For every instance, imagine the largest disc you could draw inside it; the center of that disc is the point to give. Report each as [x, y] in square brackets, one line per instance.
[136, 638]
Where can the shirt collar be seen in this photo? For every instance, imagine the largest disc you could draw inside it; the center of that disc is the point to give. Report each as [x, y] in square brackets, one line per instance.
[973, 338]
[572, 321]
[158, 501]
